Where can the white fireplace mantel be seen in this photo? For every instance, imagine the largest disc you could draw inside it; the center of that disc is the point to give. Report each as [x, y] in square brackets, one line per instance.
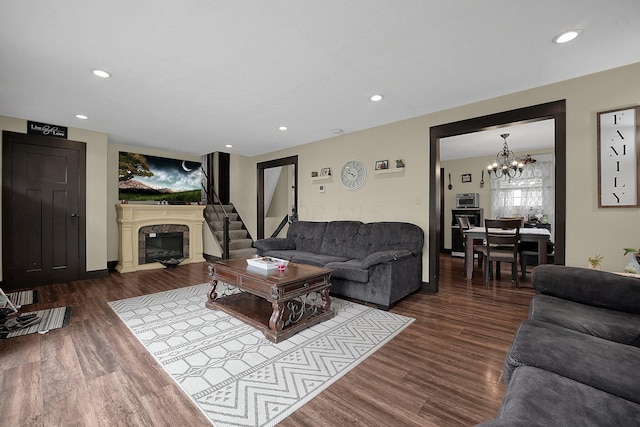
[131, 217]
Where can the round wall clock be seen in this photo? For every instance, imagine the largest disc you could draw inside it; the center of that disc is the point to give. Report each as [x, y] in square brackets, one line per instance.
[353, 174]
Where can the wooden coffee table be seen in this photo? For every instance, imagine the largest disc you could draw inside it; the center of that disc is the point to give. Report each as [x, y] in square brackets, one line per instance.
[279, 303]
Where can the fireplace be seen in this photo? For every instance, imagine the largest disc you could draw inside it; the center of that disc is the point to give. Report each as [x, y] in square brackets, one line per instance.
[150, 233]
[162, 242]
[162, 247]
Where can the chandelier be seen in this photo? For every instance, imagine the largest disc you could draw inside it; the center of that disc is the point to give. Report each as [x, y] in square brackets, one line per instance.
[506, 165]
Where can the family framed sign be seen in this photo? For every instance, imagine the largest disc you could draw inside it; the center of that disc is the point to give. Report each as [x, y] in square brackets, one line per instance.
[619, 158]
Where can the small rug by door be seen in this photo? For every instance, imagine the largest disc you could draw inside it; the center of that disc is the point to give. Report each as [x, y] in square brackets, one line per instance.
[21, 298]
[232, 372]
[52, 318]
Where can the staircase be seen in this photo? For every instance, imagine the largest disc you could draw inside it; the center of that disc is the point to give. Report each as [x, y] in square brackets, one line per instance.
[240, 242]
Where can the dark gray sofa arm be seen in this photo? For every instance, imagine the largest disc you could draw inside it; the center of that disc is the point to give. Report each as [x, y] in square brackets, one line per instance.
[274, 244]
[590, 287]
[384, 256]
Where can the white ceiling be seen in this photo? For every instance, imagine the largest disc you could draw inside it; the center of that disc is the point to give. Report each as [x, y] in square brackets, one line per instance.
[194, 75]
[523, 139]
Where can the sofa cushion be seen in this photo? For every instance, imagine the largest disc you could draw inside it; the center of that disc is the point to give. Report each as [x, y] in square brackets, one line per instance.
[611, 325]
[605, 365]
[274, 243]
[284, 254]
[303, 257]
[548, 399]
[587, 286]
[349, 270]
[308, 235]
[340, 238]
[386, 236]
[316, 259]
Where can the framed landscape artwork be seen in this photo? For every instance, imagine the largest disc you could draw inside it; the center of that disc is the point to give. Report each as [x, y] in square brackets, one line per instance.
[158, 179]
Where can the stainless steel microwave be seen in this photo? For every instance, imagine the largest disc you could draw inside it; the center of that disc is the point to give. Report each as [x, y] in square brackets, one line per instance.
[467, 200]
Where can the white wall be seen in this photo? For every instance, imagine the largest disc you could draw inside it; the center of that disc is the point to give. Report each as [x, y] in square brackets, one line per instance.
[405, 196]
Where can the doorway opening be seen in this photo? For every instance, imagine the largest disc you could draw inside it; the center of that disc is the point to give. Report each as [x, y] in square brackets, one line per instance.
[553, 110]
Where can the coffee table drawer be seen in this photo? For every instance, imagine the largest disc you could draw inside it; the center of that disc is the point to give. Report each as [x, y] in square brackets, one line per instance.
[304, 285]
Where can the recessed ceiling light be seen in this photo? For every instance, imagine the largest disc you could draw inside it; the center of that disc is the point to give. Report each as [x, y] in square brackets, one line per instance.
[567, 36]
[337, 131]
[228, 145]
[81, 117]
[101, 73]
[283, 128]
[376, 98]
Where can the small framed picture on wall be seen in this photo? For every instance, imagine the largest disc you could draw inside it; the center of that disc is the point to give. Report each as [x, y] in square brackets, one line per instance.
[466, 177]
[382, 164]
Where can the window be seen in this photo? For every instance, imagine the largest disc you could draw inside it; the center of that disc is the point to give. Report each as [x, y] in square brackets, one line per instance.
[531, 194]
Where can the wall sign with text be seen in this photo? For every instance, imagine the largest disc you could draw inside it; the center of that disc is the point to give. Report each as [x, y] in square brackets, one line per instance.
[45, 129]
[618, 158]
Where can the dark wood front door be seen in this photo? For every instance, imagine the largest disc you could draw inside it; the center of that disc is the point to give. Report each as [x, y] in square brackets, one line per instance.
[43, 207]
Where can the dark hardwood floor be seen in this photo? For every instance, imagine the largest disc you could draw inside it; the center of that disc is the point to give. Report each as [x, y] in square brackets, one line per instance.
[443, 370]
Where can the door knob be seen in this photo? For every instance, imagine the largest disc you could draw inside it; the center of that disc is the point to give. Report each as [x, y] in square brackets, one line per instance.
[74, 215]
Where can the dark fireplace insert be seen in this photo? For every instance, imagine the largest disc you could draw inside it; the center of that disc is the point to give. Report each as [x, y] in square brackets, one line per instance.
[162, 242]
[163, 246]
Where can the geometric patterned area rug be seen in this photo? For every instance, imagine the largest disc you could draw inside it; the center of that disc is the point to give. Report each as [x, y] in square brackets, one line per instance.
[232, 372]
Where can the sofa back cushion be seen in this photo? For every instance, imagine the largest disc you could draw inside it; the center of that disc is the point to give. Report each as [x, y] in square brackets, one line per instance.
[307, 235]
[386, 236]
[341, 238]
[353, 239]
[586, 286]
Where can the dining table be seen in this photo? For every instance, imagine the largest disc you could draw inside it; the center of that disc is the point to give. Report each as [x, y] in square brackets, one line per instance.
[540, 235]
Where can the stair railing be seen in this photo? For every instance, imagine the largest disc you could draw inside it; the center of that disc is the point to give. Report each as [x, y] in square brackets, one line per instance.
[284, 222]
[222, 215]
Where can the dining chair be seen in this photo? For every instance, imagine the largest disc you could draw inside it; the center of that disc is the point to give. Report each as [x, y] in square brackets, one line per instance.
[519, 218]
[463, 223]
[502, 237]
[530, 249]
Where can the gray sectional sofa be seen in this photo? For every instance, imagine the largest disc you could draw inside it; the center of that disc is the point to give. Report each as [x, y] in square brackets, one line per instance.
[576, 360]
[379, 262]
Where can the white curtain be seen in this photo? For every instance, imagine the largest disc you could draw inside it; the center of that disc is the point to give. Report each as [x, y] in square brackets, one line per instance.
[531, 194]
